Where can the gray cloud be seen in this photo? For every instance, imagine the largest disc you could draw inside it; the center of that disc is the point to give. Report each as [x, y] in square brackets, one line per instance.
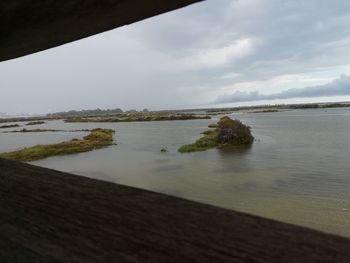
[338, 87]
[184, 58]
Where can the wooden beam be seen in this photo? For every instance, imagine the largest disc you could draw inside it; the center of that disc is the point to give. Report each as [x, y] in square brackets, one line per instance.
[50, 216]
[27, 27]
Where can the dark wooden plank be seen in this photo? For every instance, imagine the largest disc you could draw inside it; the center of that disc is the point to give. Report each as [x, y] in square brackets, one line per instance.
[50, 216]
[28, 26]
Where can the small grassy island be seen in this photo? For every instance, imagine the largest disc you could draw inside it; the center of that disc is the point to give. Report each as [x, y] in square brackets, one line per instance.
[227, 133]
[35, 122]
[9, 126]
[97, 139]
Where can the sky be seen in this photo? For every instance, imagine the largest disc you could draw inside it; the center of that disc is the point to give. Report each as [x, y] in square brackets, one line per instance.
[212, 54]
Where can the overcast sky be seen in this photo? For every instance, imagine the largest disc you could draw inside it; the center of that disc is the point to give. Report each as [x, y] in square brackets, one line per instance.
[215, 53]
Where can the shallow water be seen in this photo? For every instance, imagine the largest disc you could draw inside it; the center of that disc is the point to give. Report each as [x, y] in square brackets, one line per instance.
[297, 171]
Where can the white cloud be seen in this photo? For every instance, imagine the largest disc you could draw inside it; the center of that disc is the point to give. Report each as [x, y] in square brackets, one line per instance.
[218, 56]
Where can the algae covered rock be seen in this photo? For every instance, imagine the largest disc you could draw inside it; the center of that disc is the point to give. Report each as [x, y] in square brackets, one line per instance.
[228, 132]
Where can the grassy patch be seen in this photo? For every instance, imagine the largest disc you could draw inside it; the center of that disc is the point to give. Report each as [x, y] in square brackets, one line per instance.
[228, 133]
[98, 138]
[9, 126]
[207, 132]
[139, 117]
[206, 142]
[24, 130]
[35, 122]
[264, 111]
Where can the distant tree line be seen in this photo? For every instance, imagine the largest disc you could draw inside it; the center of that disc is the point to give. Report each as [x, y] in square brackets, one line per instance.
[84, 112]
[282, 106]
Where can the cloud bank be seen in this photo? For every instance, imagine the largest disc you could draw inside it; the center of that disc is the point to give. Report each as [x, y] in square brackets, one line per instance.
[187, 58]
[338, 87]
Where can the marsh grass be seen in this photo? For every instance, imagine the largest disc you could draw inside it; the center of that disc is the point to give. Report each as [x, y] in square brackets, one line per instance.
[97, 139]
[9, 126]
[24, 130]
[264, 111]
[202, 144]
[35, 122]
[139, 117]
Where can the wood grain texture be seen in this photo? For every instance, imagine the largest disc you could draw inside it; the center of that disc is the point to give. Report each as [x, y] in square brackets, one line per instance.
[50, 216]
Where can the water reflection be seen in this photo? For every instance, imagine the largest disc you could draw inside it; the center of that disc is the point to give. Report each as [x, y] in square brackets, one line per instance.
[235, 151]
[234, 160]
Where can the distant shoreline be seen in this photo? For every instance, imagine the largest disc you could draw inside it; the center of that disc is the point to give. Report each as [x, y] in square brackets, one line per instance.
[139, 115]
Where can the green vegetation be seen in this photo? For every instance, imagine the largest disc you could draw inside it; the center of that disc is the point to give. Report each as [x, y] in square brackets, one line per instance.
[263, 108]
[213, 125]
[228, 133]
[9, 126]
[210, 140]
[264, 111]
[75, 113]
[207, 132]
[24, 130]
[136, 117]
[35, 122]
[118, 115]
[98, 138]
[31, 130]
[215, 112]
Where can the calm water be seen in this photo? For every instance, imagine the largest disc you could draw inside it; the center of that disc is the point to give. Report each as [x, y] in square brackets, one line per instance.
[297, 171]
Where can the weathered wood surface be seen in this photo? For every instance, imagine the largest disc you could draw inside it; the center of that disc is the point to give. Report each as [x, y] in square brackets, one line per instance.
[50, 216]
[34, 25]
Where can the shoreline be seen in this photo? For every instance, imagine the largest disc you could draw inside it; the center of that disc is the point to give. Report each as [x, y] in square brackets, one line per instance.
[206, 111]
